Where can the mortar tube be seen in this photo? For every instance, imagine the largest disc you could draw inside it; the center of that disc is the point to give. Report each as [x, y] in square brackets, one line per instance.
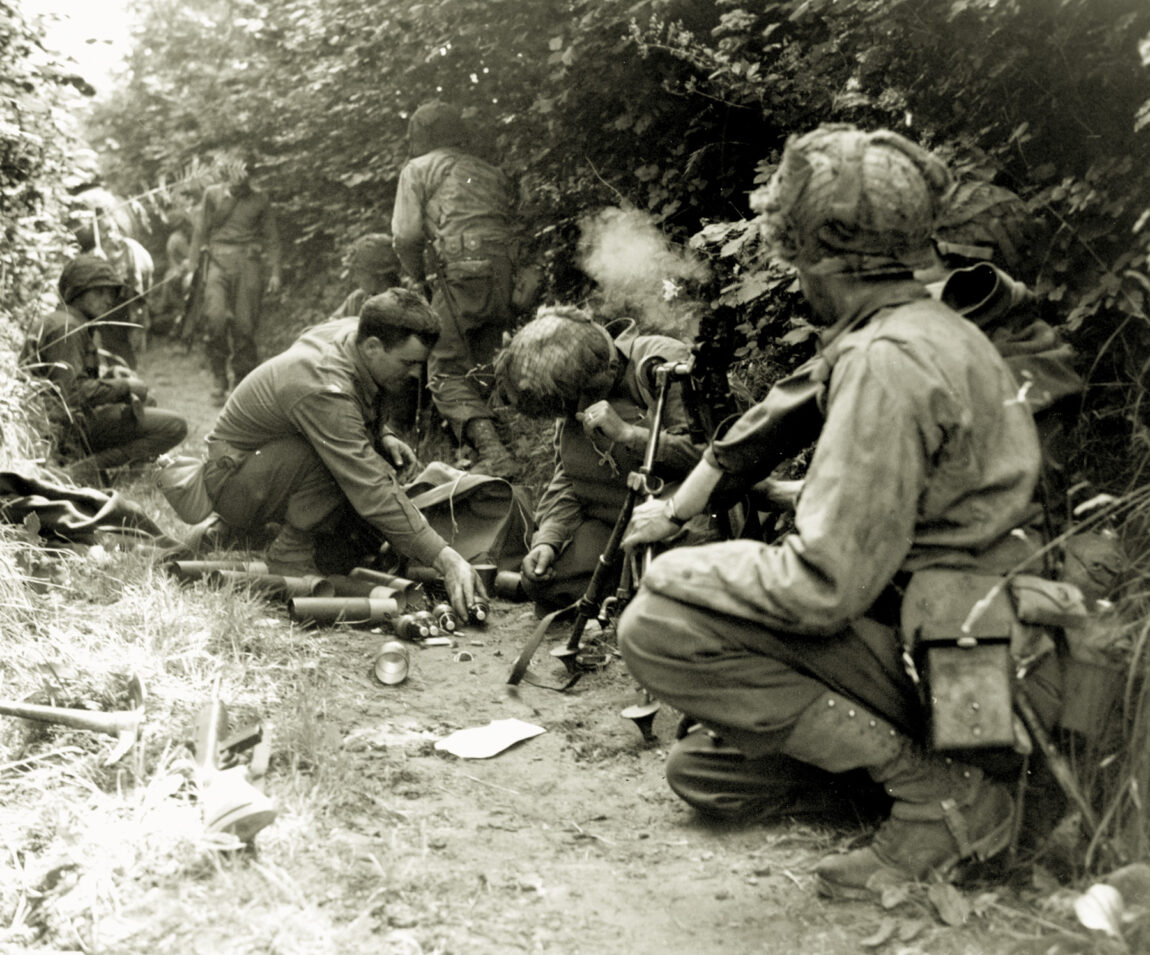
[408, 587]
[273, 585]
[325, 611]
[195, 569]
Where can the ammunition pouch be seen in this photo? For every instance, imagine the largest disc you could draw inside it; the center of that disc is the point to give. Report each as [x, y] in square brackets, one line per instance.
[967, 634]
[957, 628]
[469, 255]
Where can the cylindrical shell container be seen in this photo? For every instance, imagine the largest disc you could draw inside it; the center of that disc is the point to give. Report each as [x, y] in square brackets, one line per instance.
[348, 586]
[195, 569]
[391, 663]
[273, 585]
[325, 611]
[509, 585]
[409, 588]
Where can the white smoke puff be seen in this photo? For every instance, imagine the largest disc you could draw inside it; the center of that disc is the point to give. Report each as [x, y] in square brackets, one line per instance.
[637, 267]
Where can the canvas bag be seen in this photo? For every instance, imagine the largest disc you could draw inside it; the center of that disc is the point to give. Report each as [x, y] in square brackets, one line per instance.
[486, 519]
[181, 480]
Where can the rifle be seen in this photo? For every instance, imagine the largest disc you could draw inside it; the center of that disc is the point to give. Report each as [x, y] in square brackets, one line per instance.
[231, 802]
[189, 323]
[641, 482]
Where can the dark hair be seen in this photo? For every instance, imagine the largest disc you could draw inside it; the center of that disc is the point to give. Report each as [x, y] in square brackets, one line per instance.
[395, 315]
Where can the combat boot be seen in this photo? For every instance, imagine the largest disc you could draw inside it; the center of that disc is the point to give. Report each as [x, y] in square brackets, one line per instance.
[292, 553]
[943, 811]
[494, 459]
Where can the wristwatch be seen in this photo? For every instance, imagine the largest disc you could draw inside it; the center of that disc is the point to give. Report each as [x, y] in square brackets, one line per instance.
[669, 512]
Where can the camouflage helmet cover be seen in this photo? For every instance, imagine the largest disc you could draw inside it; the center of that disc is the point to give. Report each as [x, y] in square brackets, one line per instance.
[434, 125]
[86, 272]
[982, 222]
[374, 253]
[844, 200]
[546, 366]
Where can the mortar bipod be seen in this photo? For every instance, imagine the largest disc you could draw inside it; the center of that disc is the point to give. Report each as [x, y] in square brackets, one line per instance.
[639, 483]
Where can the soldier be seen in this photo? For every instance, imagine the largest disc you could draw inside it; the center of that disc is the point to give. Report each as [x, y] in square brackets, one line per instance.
[302, 442]
[373, 267]
[236, 229]
[787, 657]
[456, 211]
[564, 365]
[105, 419]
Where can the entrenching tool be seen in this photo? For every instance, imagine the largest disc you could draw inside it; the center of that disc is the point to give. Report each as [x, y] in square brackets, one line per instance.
[126, 725]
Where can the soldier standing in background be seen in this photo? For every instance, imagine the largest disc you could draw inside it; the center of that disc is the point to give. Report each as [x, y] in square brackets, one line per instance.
[456, 212]
[236, 229]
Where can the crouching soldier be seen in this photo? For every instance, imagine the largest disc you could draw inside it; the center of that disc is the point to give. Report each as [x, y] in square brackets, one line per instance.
[303, 442]
[787, 656]
[105, 422]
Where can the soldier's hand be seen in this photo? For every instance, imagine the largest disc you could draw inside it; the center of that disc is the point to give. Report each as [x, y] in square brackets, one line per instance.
[649, 525]
[537, 565]
[460, 580]
[275, 283]
[397, 451]
[604, 419]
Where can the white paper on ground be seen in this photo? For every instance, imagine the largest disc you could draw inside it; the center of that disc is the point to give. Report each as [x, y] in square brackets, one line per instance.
[480, 742]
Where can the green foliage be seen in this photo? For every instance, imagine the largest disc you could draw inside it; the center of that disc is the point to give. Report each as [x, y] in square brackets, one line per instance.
[675, 108]
[38, 145]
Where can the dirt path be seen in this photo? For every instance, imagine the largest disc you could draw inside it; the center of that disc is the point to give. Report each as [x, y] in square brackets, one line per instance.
[569, 842]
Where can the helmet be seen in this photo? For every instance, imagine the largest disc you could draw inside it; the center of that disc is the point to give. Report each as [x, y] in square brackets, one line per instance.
[543, 370]
[981, 222]
[844, 200]
[86, 272]
[433, 125]
[374, 253]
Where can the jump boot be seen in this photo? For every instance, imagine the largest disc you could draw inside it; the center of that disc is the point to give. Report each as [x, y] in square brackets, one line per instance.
[494, 459]
[943, 811]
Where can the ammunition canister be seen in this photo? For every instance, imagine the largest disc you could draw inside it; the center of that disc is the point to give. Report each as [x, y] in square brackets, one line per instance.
[408, 627]
[273, 585]
[445, 617]
[509, 585]
[427, 620]
[410, 588]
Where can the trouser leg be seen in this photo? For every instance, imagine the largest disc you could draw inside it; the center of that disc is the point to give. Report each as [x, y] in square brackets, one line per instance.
[764, 698]
[219, 285]
[750, 684]
[722, 783]
[572, 570]
[137, 438]
[284, 481]
[246, 309]
[473, 312]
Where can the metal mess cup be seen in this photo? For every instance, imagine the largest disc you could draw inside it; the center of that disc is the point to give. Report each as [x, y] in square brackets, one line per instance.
[391, 664]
